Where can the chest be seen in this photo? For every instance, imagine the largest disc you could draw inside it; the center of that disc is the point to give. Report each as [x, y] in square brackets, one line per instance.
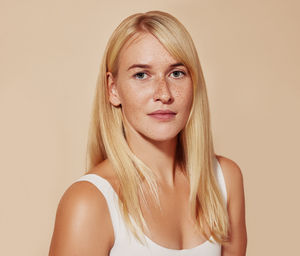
[170, 224]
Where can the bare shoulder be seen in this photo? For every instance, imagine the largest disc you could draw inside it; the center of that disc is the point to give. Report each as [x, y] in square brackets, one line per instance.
[105, 170]
[229, 167]
[237, 243]
[82, 224]
[232, 174]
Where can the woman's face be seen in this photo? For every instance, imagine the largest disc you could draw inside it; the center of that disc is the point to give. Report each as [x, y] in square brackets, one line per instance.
[149, 79]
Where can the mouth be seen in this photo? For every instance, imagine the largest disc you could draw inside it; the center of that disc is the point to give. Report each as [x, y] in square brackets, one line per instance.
[163, 115]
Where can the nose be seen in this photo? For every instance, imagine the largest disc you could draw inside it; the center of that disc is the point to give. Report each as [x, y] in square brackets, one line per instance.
[162, 91]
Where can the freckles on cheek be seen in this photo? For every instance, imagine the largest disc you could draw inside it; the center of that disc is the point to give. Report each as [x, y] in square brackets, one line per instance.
[182, 96]
[177, 93]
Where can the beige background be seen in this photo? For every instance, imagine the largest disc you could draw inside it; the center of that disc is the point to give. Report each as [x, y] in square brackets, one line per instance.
[50, 52]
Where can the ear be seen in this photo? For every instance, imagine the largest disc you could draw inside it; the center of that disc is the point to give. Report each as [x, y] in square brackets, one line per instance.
[114, 97]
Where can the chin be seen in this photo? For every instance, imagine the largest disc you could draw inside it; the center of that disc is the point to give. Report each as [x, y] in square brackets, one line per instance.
[156, 132]
[161, 136]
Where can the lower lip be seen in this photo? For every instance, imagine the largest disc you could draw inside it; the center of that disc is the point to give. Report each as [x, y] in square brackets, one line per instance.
[163, 117]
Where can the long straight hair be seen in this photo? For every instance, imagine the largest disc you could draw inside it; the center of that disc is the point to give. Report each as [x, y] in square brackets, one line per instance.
[195, 150]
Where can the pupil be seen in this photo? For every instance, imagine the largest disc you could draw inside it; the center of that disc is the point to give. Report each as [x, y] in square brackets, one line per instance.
[140, 75]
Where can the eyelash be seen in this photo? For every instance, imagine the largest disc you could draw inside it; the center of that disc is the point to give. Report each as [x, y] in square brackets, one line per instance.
[182, 72]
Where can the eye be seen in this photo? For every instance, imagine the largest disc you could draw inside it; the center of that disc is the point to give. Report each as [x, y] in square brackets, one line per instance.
[178, 73]
[140, 75]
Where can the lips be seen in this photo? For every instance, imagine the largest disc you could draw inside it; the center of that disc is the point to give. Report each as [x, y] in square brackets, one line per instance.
[167, 111]
[163, 115]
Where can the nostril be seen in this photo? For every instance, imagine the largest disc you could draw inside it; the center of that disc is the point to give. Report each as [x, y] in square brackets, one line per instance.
[163, 95]
[162, 91]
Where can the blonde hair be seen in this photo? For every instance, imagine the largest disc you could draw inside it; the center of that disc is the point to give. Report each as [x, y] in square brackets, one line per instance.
[195, 146]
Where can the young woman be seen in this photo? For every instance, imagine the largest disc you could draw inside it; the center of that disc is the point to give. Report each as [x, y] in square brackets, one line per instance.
[154, 185]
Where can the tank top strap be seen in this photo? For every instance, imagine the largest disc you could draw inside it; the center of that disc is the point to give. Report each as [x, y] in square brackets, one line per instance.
[110, 196]
[220, 178]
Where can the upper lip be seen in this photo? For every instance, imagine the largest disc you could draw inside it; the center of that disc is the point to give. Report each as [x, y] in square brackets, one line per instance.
[161, 111]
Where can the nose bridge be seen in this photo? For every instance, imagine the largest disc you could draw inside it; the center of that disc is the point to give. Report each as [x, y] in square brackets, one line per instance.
[162, 91]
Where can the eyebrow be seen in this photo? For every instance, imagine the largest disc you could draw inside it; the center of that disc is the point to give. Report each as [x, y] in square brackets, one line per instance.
[148, 66]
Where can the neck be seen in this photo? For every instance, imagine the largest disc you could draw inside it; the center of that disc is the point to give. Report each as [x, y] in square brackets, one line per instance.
[159, 156]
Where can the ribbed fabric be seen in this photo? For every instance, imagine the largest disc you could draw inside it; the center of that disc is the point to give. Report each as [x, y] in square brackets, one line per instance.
[127, 245]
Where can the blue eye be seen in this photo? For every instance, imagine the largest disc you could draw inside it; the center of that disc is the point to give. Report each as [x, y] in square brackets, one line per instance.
[140, 75]
[178, 73]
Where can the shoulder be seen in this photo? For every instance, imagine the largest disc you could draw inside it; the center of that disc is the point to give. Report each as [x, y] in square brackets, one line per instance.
[82, 223]
[105, 170]
[232, 175]
[229, 167]
[84, 196]
[235, 206]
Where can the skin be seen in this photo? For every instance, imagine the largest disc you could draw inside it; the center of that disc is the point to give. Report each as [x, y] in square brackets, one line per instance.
[141, 91]
[83, 225]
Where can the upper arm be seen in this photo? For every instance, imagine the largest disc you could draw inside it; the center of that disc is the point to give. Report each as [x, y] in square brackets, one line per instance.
[82, 225]
[236, 208]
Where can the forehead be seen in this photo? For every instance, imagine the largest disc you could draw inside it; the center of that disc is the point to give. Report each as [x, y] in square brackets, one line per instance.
[144, 48]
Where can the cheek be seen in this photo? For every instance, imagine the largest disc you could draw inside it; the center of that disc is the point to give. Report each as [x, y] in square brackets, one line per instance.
[184, 96]
[133, 99]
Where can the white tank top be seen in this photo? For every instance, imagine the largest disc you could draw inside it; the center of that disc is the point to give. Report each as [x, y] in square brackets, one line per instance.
[127, 245]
